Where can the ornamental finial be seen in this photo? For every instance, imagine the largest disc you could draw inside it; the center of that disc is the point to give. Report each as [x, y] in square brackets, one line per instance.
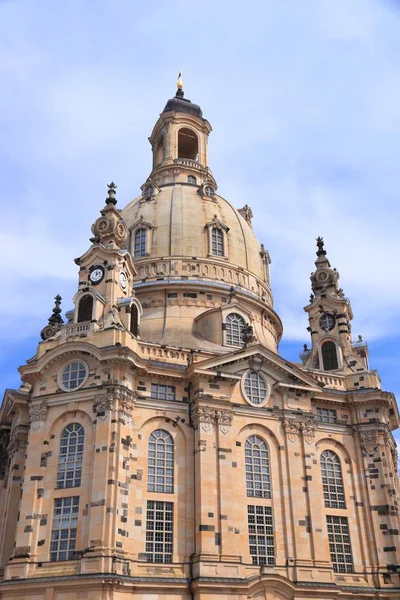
[179, 83]
[111, 194]
[320, 244]
[56, 318]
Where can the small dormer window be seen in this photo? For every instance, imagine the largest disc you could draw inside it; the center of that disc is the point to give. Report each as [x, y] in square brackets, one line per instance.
[209, 191]
[148, 192]
[192, 180]
[139, 248]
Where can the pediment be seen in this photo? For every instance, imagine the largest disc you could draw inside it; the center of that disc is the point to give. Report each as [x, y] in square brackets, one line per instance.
[258, 358]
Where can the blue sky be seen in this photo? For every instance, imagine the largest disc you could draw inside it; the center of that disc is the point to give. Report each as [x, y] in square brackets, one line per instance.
[304, 99]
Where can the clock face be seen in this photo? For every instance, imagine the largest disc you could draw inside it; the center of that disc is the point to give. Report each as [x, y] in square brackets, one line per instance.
[96, 274]
[123, 280]
[327, 322]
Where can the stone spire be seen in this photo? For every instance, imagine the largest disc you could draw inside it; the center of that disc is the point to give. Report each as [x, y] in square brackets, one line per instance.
[110, 229]
[324, 280]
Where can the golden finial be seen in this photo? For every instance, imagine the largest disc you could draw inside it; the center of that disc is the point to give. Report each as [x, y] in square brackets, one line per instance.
[179, 83]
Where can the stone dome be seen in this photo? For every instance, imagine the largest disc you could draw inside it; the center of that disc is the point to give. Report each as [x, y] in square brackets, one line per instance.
[180, 216]
[196, 257]
[185, 290]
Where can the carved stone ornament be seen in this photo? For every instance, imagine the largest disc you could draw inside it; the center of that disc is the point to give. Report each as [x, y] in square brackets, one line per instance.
[37, 415]
[369, 441]
[308, 431]
[292, 429]
[102, 405]
[224, 418]
[18, 442]
[256, 362]
[203, 417]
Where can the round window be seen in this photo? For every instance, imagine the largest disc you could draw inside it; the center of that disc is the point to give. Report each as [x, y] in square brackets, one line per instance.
[73, 375]
[255, 388]
[327, 322]
[209, 191]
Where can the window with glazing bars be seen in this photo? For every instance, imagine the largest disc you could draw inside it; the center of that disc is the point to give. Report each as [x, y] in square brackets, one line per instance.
[258, 482]
[162, 392]
[63, 533]
[139, 248]
[332, 480]
[339, 544]
[71, 455]
[261, 535]
[326, 415]
[159, 531]
[217, 238]
[255, 387]
[161, 462]
[233, 329]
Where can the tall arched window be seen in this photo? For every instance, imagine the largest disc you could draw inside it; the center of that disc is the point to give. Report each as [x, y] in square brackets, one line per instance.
[134, 320]
[332, 481]
[139, 248]
[71, 456]
[191, 179]
[217, 241]
[329, 356]
[233, 327]
[85, 309]
[161, 462]
[258, 482]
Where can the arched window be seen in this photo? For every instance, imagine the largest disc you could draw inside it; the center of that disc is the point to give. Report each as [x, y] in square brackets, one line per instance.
[217, 241]
[233, 327]
[161, 462]
[139, 248]
[191, 179]
[329, 356]
[71, 454]
[258, 482]
[85, 310]
[134, 320]
[332, 481]
[188, 144]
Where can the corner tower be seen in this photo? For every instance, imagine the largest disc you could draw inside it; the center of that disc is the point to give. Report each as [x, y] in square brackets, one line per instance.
[330, 314]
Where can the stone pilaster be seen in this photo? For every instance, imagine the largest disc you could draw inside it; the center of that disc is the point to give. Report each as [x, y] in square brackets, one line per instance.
[206, 478]
[380, 483]
[299, 535]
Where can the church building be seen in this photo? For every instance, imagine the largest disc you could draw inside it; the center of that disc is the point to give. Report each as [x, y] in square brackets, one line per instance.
[160, 447]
